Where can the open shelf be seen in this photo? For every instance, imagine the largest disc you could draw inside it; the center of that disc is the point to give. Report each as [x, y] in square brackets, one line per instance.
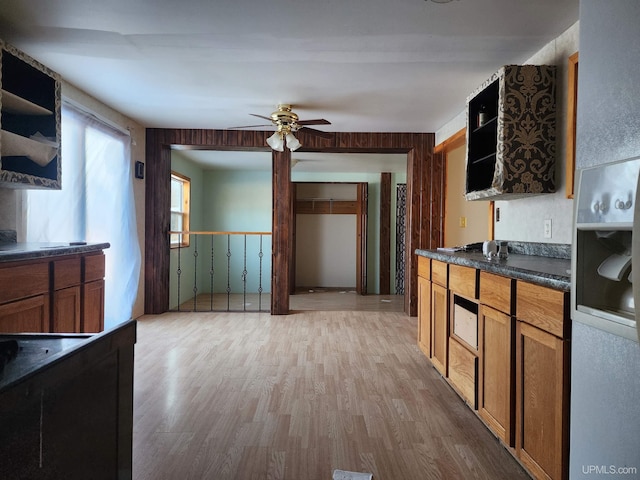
[12, 103]
[41, 152]
[30, 109]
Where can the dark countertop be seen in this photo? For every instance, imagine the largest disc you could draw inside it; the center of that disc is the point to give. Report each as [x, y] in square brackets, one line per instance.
[545, 271]
[39, 351]
[12, 251]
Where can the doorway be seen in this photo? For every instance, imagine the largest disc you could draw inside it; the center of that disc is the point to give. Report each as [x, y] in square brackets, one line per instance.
[330, 236]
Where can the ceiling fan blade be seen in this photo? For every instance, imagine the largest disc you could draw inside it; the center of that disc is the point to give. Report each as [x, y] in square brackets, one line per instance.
[249, 126]
[260, 116]
[319, 121]
[319, 133]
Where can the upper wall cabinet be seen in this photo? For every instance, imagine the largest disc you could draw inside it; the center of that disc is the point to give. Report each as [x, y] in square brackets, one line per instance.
[511, 134]
[29, 121]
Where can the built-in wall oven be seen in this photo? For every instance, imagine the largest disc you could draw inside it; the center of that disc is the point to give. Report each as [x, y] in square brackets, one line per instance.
[606, 248]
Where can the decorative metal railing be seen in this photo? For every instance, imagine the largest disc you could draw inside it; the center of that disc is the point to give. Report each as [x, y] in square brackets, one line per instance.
[221, 271]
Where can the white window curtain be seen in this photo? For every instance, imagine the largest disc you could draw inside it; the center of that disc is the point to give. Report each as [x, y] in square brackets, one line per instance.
[95, 204]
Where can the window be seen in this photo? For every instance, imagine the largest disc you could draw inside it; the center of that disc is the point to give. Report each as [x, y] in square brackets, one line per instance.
[96, 204]
[180, 208]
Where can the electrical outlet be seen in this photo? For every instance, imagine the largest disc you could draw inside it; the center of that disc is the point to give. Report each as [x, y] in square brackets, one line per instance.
[463, 222]
[547, 228]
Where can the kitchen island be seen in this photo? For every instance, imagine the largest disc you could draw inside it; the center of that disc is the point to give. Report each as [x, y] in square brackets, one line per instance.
[499, 332]
[66, 405]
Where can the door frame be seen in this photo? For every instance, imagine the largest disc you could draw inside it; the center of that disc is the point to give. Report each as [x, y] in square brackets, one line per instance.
[349, 207]
[425, 183]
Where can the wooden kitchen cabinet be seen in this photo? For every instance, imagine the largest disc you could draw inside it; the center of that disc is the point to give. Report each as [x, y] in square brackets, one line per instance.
[26, 315]
[514, 370]
[439, 315]
[62, 294]
[66, 281]
[496, 386]
[93, 271]
[66, 310]
[439, 327]
[92, 307]
[424, 315]
[496, 389]
[542, 381]
[24, 298]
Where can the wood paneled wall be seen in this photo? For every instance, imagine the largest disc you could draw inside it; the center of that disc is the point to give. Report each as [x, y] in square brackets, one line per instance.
[385, 233]
[425, 183]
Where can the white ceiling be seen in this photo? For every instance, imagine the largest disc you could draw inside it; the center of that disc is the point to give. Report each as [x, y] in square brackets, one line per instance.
[364, 65]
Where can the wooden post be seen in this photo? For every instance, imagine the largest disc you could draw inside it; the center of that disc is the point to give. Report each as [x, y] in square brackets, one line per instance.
[282, 238]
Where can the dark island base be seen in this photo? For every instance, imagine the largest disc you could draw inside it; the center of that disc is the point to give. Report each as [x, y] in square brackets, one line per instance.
[70, 415]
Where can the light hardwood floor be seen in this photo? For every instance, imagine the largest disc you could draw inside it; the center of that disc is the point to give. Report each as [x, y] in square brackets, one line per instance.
[249, 396]
[308, 299]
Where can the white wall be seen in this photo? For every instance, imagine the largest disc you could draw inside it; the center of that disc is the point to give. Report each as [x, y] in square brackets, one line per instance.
[326, 251]
[523, 219]
[326, 248]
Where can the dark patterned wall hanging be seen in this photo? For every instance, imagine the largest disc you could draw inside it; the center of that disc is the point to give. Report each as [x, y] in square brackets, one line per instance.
[401, 213]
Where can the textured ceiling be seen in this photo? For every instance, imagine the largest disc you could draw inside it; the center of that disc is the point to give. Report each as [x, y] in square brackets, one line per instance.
[365, 65]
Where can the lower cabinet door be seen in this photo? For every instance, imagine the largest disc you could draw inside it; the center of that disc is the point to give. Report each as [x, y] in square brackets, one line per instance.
[93, 307]
[496, 392]
[542, 398]
[66, 310]
[27, 315]
[463, 371]
[439, 327]
[424, 315]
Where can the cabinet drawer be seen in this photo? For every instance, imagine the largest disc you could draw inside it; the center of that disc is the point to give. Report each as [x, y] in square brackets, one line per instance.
[424, 267]
[543, 307]
[439, 272]
[463, 280]
[497, 292]
[23, 281]
[463, 367]
[66, 273]
[93, 268]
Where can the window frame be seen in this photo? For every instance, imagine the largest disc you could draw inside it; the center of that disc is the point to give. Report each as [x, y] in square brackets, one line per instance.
[185, 212]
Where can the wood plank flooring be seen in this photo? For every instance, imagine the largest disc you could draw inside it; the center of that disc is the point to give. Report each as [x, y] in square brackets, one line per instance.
[249, 396]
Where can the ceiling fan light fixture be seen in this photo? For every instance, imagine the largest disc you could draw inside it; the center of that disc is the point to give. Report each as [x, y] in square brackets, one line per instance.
[292, 142]
[276, 142]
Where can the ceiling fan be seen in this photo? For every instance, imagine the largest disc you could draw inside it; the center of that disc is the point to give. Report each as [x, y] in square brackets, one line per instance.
[288, 123]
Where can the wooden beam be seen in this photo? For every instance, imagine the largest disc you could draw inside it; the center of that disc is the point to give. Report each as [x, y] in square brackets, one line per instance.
[424, 195]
